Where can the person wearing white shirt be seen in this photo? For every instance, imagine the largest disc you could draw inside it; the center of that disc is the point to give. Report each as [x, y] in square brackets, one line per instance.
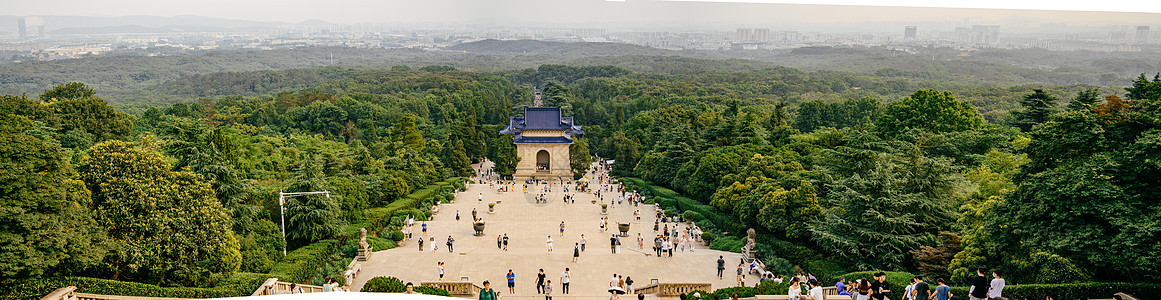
[907, 294]
[996, 288]
[816, 291]
[565, 277]
[550, 244]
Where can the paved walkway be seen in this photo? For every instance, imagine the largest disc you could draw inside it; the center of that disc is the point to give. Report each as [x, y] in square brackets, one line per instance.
[528, 225]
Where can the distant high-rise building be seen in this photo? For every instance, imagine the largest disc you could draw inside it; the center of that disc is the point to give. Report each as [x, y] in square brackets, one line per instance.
[744, 34]
[762, 34]
[909, 32]
[752, 35]
[1142, 34]
[21, 27]
[40, 30]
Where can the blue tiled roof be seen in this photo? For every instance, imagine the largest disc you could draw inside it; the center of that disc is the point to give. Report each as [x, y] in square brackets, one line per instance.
[542, 118]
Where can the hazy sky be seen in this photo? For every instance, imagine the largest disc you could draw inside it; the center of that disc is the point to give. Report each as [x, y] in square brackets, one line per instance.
[606, 13]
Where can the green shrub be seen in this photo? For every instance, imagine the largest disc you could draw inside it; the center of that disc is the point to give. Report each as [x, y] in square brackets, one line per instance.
[35, 288]
[1088, 290]
[770, 287]
[428, 290]
[301, 264]
[692, 216]
[742, 291]
[707, 236]
[395, 235]
[378, 243]
[449, 197]
[384, 285]
[729, 243]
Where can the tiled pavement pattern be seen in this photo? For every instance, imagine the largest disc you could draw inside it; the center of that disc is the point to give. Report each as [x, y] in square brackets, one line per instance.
[528, 225]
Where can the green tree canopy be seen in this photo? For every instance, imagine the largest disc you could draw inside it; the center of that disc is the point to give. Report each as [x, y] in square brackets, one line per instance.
[929, 110]
[46, 227]
[167, 226]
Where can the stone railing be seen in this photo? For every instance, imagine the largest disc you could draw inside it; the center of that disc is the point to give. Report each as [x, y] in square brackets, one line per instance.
[69, 293]
[454, 288]
[274, 287]
[648, 289]
[672, 289]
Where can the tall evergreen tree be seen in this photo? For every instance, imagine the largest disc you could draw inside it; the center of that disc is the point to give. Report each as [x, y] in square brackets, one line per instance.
[1085, 99]
[1037, 107]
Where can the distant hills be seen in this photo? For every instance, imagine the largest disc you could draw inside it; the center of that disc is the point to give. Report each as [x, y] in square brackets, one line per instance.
[560, 48]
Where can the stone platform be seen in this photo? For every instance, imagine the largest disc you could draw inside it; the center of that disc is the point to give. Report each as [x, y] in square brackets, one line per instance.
[528, 225]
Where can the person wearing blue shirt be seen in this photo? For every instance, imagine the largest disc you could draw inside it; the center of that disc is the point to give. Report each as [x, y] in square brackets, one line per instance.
[511, 282]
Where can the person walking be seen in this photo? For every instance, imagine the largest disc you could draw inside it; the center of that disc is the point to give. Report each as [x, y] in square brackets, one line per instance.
[909, 290]
[980, 285]
[863, 289]
[561, 228]
[815, 291]
[576, 252]
[880, 287]
[540, 282]
[565, 277]
[613, 244]
[420, 245]
[942, 291]
[996, 287]
[582, 244]
[480, 198]
[439, 267]
[629, 285]
[499, 241]
[487, 293]
[431, 240]
[474, 218]
[721, 266]
[550, 244]
[450, 242]
[640, 242]
[618, 243]
[548, 290]
[741, 275]
[424, 226]
[457, 215]
[511, 281]
[921, 290]
[505, 242]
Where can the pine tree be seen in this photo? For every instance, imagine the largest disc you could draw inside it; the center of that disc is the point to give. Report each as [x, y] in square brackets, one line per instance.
[1037, 107]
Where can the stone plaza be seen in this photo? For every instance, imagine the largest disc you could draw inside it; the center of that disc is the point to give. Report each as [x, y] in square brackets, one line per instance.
[528, 225]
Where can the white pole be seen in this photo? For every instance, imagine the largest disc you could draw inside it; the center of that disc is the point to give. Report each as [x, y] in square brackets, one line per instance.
[282, 215]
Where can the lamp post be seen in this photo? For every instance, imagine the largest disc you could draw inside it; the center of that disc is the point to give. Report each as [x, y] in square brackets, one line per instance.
[281, 201]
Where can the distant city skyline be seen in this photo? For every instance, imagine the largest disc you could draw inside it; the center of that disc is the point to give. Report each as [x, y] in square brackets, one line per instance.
[690, 15]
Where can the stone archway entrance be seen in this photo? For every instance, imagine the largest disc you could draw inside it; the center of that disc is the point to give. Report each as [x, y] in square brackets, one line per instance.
[543, 162]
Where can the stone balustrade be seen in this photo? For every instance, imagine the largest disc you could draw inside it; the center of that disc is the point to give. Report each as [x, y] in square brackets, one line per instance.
[454, 288]
[672, 289]
[274, 287]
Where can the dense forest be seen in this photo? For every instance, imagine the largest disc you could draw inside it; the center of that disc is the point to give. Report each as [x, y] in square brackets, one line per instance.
[837, 171]
[134, 82]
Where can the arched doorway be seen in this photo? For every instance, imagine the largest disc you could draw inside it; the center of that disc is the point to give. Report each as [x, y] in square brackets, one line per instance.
[542, 161]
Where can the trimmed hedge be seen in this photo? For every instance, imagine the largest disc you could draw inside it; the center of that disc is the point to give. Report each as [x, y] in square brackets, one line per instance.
[669, 199]
[33, 289]
[302, 263]
[1089, 290]
[382, 284]
[429, 290]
